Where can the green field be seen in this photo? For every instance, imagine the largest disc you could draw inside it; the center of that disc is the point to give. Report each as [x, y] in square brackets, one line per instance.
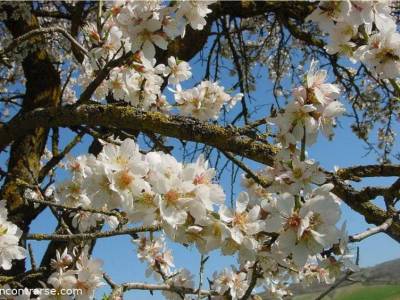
[360, 292]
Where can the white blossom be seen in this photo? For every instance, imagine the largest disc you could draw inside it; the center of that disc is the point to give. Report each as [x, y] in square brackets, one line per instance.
[328, 12]
[204, 101]
[235, 282]
[178, 70]
[307, 229]
[10, 235]
[155, 253]
[89, 276]
[183, 279]
[244, 223]
[194, 12]
[382, 54]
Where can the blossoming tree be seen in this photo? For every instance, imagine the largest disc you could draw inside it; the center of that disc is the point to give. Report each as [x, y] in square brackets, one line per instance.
[153, 85]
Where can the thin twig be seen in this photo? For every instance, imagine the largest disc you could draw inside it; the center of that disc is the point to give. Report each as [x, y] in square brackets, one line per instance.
[33, 261]
[165, 287]
[71, 208]
[28, 275]
[90, 236]
[16, 42]
[335, 285]
[253, 282]
[248, 171]
[59, 156]
[203, 261]
[117, 290]
[340, 281]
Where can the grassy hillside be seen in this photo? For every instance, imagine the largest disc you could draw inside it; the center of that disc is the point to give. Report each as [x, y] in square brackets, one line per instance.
[381, 282]
[360, 292]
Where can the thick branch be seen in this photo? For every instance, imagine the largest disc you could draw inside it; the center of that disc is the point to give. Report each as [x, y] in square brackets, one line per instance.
[227, 139]
[369, 171]
[42, 89]
[252, 284]
[372, 213]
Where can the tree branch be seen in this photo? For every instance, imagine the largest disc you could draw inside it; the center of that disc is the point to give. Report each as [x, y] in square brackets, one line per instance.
[165, 287]
[42, 31]
[90, 236]
[253, 282]
[335, 285]
[91, 210]
[58, 157]
[227, 139]
[371, 231]
[223, 138]
[257, 179]
[368, 171]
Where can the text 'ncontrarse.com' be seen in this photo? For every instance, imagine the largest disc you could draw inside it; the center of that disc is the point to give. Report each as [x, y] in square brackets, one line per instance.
[5, 293]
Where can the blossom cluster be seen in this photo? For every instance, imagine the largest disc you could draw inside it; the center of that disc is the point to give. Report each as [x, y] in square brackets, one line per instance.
[289, 223]
[313, 109]
[160, 265]
[148, 24]
[204, 101]
[150, 188]
[234, 281]
[140, 27]
[284, 226]
[298, 206]
[9, 239]
[349, 22]
[76, 271]
[143, 26]
[154, 188]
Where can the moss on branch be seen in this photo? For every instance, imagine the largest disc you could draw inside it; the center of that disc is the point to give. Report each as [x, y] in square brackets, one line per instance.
[111, 116]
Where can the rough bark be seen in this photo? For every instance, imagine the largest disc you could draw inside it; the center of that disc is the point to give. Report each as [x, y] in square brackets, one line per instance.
[225, 138]
[42, 90]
